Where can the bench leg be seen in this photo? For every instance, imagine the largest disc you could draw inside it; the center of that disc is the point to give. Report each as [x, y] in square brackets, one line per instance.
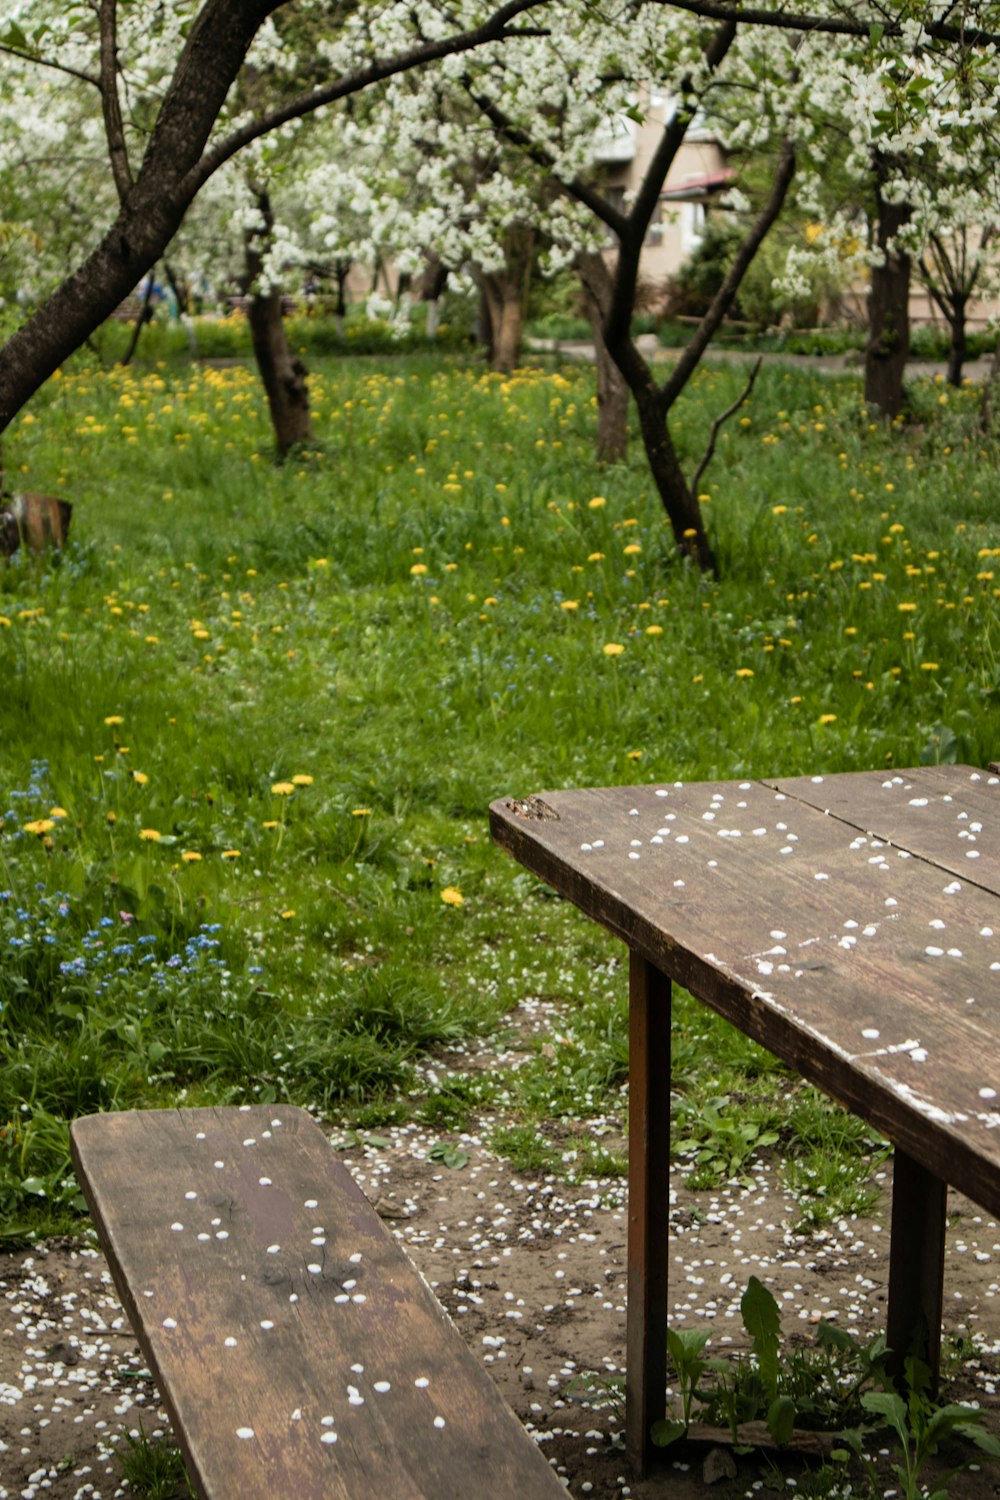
[648, 1206]
[916, 1264]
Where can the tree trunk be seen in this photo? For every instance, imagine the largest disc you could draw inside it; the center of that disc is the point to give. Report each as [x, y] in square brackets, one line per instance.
[888, 343]
[681, 505]
[508, 329]
[151, 214]
[283, 374]
[142, 317]
[341, 271]
[505, 293]
[484, 321]
[987, 413]
[612, 389]
[504, 320]
[430, 288]
[958, 350]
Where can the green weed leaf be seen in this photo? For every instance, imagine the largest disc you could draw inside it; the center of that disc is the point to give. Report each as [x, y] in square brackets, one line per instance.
[665, 1432]
[781, 1420]
[761, 1320]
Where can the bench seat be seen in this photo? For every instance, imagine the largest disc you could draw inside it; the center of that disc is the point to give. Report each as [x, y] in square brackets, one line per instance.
[298, 1352]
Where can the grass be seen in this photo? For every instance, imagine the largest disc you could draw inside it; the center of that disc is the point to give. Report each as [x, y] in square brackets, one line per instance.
[253, 717]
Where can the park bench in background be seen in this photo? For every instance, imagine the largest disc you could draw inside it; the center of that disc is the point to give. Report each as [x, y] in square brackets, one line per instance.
[298, 1352]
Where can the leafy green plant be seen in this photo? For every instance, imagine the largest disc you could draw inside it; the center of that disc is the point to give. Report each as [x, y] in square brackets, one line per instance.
[921, 1427]
[685, 1345]
[818, 1388]
[721, 1141]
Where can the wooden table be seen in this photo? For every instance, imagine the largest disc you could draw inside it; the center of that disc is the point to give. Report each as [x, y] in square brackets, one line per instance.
[848, 923]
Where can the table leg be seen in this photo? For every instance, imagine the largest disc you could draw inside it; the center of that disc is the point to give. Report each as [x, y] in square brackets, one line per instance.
[916, 1264]
[648, 1206]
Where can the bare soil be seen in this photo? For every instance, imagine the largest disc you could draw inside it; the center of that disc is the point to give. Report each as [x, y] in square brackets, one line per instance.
[532, 1270]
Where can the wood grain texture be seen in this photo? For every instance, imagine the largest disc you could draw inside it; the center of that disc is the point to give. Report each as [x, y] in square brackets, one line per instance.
[836, 923]
[648, 1207]
[299, 1353]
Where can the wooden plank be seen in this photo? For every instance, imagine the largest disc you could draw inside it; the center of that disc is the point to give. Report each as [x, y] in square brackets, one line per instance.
[648, 1207]
[298, 1352]
[916, 1265]
[947, 814]
[871, 971]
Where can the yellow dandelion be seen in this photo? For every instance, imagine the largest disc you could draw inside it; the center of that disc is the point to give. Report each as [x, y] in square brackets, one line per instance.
[232, 853]
[633, 755]
[632, 549]
[361, 812]
[150, 835]
[114, 719]
[58, 812]
[4, 620]
[190, 856]
[271, 823]
[654, 629]
[39, 826]
[140, 778]
[828, 718]
[286, 916]
[928, 666]
[612, 649]
[906, 609]
[597, 502]
[596, 557]
[302, 780]
[744, 671]
[283, 788]
[418, 568]
[452, 896]
[570, 604]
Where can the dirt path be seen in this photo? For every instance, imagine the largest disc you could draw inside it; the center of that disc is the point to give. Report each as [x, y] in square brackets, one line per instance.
[533, 1272]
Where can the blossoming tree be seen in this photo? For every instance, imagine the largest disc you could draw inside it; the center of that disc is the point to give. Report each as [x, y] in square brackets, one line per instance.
[161, 82]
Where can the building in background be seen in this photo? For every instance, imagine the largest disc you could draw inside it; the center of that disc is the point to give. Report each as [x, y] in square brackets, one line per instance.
[698, 175]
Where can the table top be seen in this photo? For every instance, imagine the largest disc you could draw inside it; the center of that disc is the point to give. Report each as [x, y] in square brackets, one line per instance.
[849, 923]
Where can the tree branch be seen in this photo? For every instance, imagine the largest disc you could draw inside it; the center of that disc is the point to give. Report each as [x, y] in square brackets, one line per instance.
[726, 295]
[637, 221]
[717, 424]
[720, 10]
[495, 28]
[114, 129]
[576, 187]
[49, 62]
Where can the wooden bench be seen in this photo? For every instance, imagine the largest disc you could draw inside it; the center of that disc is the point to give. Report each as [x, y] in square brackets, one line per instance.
[298, 1352]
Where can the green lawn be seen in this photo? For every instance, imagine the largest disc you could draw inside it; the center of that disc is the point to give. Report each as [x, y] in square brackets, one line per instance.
[252, 719]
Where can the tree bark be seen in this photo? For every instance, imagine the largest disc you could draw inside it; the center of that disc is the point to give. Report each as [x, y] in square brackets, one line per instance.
[506, 312]
[888, 346]
[282, 373]
[612, 389]
[430, 288]
[505, 293]
[341, 271]
[987, 412]
[958, 349]
[152, 210]
[654, 403]
[142, 317]
[679, 501]
[176, 165]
